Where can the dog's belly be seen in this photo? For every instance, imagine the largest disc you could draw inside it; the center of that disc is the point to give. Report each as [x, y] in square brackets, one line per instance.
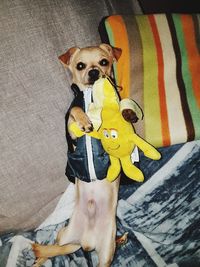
[94, 210]
[97, 203]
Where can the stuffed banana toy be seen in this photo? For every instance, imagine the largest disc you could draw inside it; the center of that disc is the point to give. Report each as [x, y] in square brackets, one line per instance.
[118, 136]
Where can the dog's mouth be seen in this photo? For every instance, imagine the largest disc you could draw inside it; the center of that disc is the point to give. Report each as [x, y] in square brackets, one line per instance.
[93, 75]
[92, 81]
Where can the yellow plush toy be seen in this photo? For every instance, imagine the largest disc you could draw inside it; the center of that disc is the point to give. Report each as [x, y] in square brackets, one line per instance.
[116, 134]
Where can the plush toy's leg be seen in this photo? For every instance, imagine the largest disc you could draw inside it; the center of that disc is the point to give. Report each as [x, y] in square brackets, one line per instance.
[131, 170]
[149, 150]
[114, 169]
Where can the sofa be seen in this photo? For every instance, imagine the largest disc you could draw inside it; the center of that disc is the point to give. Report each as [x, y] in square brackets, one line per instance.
[161, 216]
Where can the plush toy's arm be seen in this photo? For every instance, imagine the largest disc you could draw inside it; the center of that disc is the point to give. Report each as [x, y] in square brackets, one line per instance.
[128, 103]
[73, 127]
[149, 150]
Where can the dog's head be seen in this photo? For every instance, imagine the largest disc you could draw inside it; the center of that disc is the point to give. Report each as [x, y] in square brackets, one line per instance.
[89, 63]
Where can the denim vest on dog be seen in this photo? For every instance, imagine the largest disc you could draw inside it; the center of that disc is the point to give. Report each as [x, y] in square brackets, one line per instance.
[88, 161]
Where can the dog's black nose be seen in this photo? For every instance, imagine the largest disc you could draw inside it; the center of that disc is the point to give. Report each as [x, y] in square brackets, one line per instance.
[93, 75]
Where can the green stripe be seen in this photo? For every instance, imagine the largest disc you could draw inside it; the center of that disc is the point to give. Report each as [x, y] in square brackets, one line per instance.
[195, 112]
[112, 42]
[152, 117]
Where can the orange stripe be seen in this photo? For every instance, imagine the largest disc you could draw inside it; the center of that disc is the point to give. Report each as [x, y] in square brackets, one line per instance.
[161, 84]
[123, 65]
[193, 55]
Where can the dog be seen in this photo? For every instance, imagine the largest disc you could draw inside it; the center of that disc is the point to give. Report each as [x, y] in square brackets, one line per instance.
[93, 222]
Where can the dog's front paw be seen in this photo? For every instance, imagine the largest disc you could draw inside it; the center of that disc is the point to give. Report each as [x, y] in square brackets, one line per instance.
[129, 115]
[85, 124]
[81, 118]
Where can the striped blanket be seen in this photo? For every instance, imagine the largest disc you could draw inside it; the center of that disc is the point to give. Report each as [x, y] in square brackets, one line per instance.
[161, 216]
[160, 69]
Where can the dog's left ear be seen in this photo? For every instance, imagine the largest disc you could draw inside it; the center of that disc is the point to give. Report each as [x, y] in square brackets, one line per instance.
[66, 58]
[114, 51]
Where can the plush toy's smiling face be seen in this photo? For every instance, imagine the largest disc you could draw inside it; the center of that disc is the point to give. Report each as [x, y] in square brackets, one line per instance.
[110, 137]
[114, 134]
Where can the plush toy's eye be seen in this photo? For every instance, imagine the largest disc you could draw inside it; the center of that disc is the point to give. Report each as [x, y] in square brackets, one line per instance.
[80, 66]
[106, 134]
[104, 62]
[114, 134]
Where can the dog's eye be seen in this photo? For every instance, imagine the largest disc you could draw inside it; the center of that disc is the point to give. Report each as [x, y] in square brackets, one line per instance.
[80, 66]
[104, 62]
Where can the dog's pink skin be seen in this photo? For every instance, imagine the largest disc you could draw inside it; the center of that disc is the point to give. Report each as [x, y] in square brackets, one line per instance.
[93, 218]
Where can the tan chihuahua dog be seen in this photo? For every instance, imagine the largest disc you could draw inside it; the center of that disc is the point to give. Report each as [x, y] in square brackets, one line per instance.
[93, 222]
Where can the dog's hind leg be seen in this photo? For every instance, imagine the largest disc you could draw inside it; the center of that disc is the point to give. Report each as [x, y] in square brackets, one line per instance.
[106, 246]
[47, 251]
[43, 252]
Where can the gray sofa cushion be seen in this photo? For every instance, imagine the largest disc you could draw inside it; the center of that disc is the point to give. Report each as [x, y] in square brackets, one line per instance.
[34, 97]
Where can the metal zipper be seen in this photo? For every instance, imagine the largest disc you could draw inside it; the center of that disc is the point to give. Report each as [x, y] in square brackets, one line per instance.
[87, 99]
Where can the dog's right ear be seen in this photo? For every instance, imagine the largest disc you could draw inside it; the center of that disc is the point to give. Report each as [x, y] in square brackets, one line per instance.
[66, 58]
[114, 51]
